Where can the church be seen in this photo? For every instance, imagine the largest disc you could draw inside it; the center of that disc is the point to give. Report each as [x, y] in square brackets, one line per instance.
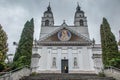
[65, 48]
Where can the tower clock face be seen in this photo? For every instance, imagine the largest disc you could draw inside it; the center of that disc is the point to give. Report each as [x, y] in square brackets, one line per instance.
[64, 35]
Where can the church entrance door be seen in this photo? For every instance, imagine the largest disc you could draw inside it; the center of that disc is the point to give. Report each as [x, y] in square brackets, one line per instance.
[64, 66]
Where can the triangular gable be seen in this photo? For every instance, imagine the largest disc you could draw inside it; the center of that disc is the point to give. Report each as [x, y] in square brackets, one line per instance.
[74, 36]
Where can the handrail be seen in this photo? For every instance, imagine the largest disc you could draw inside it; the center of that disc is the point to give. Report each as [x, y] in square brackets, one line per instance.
[112, 72]
[114, 68]
[3, 73]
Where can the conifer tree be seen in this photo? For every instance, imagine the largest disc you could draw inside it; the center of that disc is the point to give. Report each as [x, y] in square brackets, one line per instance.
[24, 50]
[3, 44]
[119, 38]
[109, 44]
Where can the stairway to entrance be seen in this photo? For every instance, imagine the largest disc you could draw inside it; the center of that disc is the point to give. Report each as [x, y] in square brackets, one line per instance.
[66, 76]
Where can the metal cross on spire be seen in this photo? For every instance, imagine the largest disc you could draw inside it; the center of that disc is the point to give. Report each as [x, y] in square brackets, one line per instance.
[80, 3]
[49, 8]
[49, 3]
[78, 7]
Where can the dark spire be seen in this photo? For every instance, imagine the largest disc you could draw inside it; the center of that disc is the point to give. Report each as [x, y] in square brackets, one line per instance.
[49, 8]
[78, 7]
[63, 21]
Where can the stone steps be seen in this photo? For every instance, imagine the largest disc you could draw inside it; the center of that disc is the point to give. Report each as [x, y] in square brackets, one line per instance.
[65, 76]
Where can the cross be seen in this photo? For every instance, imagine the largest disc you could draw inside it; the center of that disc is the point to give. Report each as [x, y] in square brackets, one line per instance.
[64, 21]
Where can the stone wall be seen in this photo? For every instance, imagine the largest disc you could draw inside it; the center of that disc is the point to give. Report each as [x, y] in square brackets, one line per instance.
[112, 73]
[16, 75]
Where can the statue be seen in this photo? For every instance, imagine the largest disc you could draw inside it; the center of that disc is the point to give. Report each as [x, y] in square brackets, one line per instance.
[75, 62]
[54, 62]
[64, 35]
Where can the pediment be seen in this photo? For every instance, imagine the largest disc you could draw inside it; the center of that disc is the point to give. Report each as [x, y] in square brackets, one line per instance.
[64, 34]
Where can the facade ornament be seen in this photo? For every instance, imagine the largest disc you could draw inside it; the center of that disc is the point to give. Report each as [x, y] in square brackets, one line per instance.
[54, 62]
[75, 62]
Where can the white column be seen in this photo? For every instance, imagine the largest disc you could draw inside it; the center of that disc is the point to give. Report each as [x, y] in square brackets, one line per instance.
[59, 58]
[91, 59]
[86, 60]
[49, 59]
[39, 62]
[70, 57]
[80, 59]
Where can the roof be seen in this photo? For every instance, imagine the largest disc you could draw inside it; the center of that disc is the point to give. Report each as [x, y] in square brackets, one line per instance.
[46, 40]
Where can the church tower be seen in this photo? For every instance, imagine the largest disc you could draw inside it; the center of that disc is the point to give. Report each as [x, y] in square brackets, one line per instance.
[47, 19]
[79, 18]
[47, 22]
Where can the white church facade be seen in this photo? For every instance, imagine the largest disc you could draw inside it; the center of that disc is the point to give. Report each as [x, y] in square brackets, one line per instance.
[65, 48]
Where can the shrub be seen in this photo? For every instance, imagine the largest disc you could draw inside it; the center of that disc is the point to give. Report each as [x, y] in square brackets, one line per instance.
[2, 66]
[33, 74]
[101, 74]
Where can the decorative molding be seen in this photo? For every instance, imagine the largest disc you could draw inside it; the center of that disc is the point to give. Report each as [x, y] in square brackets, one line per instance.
[64, 48]
[59, 47]
[49, 47]
[79, 47]
[70, 47]
[97, 56]
[89, 47]
[35, 49]
[53, 53]
[78, 34]
[74, 48]
[40, 47]
[75, 67]
[64, 53]
[54, 48]
[73, 43]
[97, 49]
[74, 53]
[36, 55]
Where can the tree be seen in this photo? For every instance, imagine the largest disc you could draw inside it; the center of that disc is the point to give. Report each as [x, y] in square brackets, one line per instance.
[24, 50]
[119, 39]
[3, 44]
[3, 48]
[109, 44]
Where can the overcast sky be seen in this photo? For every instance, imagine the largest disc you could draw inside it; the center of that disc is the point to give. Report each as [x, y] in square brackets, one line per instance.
[14, 13]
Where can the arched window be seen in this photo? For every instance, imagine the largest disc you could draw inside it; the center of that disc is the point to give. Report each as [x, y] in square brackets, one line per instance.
[47, 23]
[81, 23]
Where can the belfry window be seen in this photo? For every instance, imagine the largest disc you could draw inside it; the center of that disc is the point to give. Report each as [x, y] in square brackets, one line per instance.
[81, 23]
[47, 23]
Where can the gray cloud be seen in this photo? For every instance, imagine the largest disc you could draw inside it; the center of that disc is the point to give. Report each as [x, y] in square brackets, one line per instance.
[14, 13]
